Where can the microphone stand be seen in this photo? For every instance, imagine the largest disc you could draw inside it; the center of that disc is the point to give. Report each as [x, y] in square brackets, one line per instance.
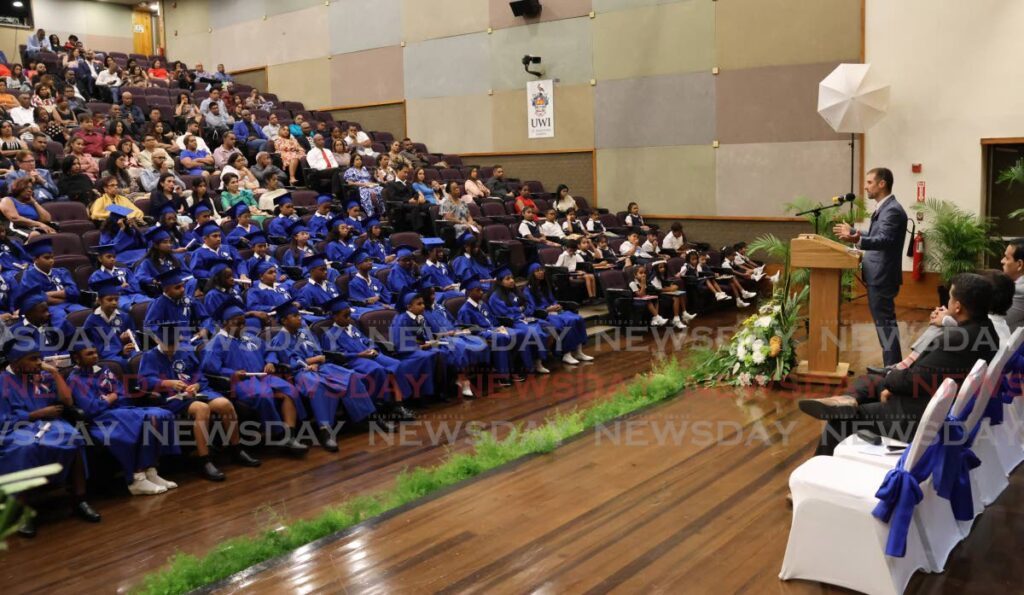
[816, 211]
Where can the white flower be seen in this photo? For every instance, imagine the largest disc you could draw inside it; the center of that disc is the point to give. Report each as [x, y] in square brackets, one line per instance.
[761, 379]
[777, 309]
[736, 368]
[741, 351]
[764, 322]
[757, 356]
[744, 379]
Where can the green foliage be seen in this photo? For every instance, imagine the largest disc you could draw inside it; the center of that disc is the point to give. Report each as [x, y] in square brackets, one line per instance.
[12, 513]
[187, 572]
[955, 240]
[1012, 175]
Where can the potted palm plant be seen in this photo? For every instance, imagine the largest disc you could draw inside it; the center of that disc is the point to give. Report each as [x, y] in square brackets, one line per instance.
[956, 241]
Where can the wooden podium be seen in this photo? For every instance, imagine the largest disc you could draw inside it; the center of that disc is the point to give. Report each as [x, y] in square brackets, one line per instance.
[826, 259]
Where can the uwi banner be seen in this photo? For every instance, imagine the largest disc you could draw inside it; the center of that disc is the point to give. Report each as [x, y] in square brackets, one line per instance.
[540, 109]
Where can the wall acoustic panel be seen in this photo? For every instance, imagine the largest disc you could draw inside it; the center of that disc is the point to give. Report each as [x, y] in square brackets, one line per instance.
[225, 41]
[752, 33]
[452, 124]
[386, 118]
[676, 109]
[295, 36]
[272, 8]
[664, 180]
[371, 76]
[442, 18]
[759, 179]
[109, 20]
[574, 120]
[453, 66]
[190, 48]
[292, 82]
[62, 18]
[552, 10]
[565, 47]
[186, 17]
[772, 104]
[224, 13]
[613, 5]
[108, 43]
[364, 24]
[654, 40]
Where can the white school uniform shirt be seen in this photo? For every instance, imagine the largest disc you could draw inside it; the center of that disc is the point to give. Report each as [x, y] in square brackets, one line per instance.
[671, 242]
[569, 261]
[551, 229]
[649, 247]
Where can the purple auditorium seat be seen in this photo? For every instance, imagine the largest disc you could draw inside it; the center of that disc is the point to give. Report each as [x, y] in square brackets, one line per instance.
[450, 174]
[72, 217]
[407, 238]
[495, 211]
[283, 114]
[91, 239]
[376, 324]
[452, 160]
[485, 172]
[166, 111]
[500, 239]
[293, 106]
[270, 97]
[379, 148]
[478, 215]
[420, 148]
[534, 185]
[304, 198]
[431, 174]
[382, 137]
[63, 243]
[98, 107]
[453, 304]
[324, 117]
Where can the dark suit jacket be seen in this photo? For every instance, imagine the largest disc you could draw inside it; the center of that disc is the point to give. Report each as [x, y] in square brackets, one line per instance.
[883, 245]
[951, 355]
[396, 191]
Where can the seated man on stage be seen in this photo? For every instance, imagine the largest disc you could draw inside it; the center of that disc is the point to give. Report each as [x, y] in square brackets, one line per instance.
[891, 404]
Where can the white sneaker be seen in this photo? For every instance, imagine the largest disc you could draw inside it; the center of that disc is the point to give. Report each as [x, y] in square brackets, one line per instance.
[569, 359]
[741, 304]
[760, 269]
[757, 276]
[774, 278]
[658, 321]
[721, 296]
[540, 369]
[678, 324]
[143, 487]
[157, 480]
[748, 294]
[583, 357]
[467, 390]
[687, 317]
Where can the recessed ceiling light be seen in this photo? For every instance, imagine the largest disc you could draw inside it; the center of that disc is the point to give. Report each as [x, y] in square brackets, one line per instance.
[17, 4]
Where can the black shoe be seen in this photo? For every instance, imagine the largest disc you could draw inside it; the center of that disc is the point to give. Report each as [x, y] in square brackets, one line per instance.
[402, 413]
[519, 378]
[819, 410]
[294, 447]
[883, 370]
[240, 457]
[327, 441]
[210, 472]
[85, 512]
[28, 528]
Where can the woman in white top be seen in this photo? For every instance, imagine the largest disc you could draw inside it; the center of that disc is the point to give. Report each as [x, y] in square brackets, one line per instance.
[475, 188]
[240, 167]
[569, 259]
[563, 201]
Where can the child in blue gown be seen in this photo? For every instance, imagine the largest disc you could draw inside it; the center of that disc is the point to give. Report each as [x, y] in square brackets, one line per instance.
[569, 328]
[472, 262]
[475, 313]
[109, 329]
[55, 282]
[507, 305]
[365, 290]
[131, 291]
[413, 338]
[436, 271]
[464, 350]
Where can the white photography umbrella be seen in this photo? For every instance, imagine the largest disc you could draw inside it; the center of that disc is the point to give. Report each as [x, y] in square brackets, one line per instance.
[852, 100]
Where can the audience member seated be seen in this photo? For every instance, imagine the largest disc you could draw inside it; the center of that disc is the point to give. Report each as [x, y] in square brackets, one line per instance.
[249, 133]
[18, 81]
[133, 115]
[271, 129]
[162, 166]
[222, 76]
[93, 138]
[150, 149]
[23, 211]
[523, 200]
[634, 219]
[291, 153]
[186, 112]
[563, 200]
[157, 70]
[100, 210]
[498, 186]
[219, 122]
[358, 141]
[370, 192]
[453, 209]
[127, 179]
[410, 156]
[46, 156]
[675, 239]
[234, 194]
[407, 208]
[237, 164]
[323, 165]
[265, 169]
[572, 259]
[109, 81]
[38, 43]
[23, 116]
[75, 184]
[43, 187]
[7, 100]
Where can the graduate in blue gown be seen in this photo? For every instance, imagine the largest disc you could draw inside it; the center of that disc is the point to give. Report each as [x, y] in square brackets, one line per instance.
[508, 306]
[238, 237]
[212, 250]
[266, 294]
[436, 271]
[222, 287]
[36, 320]
[32, 432]
[402, 278]
[299, 247]
[569, 328]
[319, 289]
[12, 253]
[201, 215]
[159, 258]
[355, 218]
[324, 384]
[365, 290]
[404, 380]
[278, 226]
[55, 282]
[109, 329]
[8, 281]
[341, 242]
[319, 224]
[473, 262]
[463, 349]
[502, 341]
[413, 338]
[244, 358]
[131, 292]
[174, 307]
[377, 246]
[126, 235]
[136, 436]
[175, 377]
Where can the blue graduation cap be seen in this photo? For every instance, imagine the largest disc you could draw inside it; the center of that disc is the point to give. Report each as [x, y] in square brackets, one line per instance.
[231, 308]
[28, 299]
[296, 227]
[23, 345]
[219, 265]
[170, 278]
[167, 209]
[350, 204]
[465, 238]
[80, 342]
[39, 247]
[118, 212]
[157, 234]
[472, 282]
[257, 237]
[372, 223]
[409, 297]
[431, 243]
[336, 304]
[502, 272]
[359, 256]
[284, 199]
[285, 309]
[264, 266]
[404, 251]
[314, 261]
[533, 267]
[199, 209]
[324, 199]
[108, 286]
[106, 249]
[239, 210]
[209, 228]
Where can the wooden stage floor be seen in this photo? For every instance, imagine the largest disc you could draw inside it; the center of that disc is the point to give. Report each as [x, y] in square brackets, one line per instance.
[623, 509]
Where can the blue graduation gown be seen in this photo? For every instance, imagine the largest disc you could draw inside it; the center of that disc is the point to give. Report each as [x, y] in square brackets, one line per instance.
[312, 295]
[106, 335]
[13, 256]
[278, 226]
[569, 327]
[407, 334]
[19, 447]
[465, 267]
[57, 280]
[183, 313]
[237, 236]
[131, 292]
[204, 256]
[317, 226]
[328, 385]
[7, 283]
[440, 274]
[339, 251]
[377, 249]
[350, 341]
[534, 331]
[360, 290]
[146, 272]
[121, 427]
[501, 344]
[129, 244]
[400, 281]
[155, 366]
[358, 225]
[215, 297]
[462, 351]
[225, 354]
[54, 338]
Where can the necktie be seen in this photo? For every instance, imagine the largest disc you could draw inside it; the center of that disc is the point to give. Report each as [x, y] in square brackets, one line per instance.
[327, 160]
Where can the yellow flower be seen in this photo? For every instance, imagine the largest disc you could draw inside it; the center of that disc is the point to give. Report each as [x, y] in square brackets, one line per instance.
[775, 346]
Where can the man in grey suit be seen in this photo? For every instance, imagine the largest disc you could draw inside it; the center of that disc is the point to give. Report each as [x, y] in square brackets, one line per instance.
[882, 263]
[1013, 266]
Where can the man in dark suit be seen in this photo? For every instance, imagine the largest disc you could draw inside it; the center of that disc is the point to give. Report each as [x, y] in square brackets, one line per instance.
[891, 404]
[407, 209]
[882, 263]
[1013, 266]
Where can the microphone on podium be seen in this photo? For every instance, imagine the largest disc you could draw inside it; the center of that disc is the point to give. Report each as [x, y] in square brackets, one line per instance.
[848, 197]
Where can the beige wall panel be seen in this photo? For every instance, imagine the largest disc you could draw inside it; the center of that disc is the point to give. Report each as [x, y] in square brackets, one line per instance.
[772, 104]
[564, 45]
[575, 170]
[501, 15]
[254, 78]
[653, 40]
[101, 18]
[226, 41]
[294, 36]
[386, 118]
[759, 179]
[442, 18]
[186, 16]
[574, 120]
[293, 82]
[10, 39]
[751, 33]
[664, 180]
[452, 124]
[190, 47]
[108, 43]
[372, 76]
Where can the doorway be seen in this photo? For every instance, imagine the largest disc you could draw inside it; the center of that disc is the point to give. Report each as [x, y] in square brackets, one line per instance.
[142, 32]
[1002, 198]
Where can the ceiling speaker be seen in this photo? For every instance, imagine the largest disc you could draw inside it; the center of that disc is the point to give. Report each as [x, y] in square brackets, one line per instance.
[525, 8]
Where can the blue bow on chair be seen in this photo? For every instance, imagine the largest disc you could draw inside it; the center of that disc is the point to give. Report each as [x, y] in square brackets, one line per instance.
[952, 473]
[898, 495]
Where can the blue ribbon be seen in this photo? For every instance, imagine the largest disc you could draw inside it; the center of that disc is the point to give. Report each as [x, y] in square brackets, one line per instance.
[953, 463]
[898, 495]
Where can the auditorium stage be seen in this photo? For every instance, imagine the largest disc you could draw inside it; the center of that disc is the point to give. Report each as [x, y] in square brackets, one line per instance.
[697, 508]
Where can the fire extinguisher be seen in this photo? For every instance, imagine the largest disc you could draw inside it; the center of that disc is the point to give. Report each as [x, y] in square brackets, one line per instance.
[918, 256]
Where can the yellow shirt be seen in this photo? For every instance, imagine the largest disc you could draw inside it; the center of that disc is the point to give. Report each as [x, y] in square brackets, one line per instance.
[98, 209]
